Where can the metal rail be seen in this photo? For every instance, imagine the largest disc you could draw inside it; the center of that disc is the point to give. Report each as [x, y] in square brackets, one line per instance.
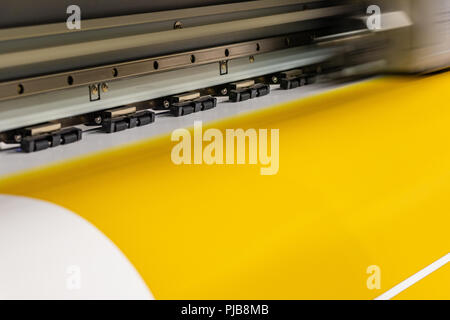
[58, 81]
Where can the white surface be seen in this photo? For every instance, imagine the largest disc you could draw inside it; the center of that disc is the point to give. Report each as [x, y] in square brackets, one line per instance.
[48, 252]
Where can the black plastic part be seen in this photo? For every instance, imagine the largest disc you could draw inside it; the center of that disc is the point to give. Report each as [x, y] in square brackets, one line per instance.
[295, 82]
[311, 79]
[138, 119]
[287, 84]
[69, 138]
[188, 107]
[51, 140]
[257, 90]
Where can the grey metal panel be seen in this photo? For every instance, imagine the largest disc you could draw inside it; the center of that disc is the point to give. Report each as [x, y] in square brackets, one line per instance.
[15, 13]
[33, 57]
[163, 20]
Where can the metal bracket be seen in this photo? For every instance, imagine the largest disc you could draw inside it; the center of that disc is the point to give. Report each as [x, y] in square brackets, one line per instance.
[223, 67]
[94, 92]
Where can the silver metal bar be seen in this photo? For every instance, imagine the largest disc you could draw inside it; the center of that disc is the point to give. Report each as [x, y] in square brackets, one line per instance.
[117, 112]
[243, 84]
[25, 87]
[57, 105]
[45, 128]
[187, 96]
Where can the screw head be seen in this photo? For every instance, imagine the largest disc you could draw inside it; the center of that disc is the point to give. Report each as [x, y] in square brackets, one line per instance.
[178, 25]
[251, 59]
[166, 104]
[224, 91]
[18, 138]
[275, 79]
[94, 90]
[98, 120]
